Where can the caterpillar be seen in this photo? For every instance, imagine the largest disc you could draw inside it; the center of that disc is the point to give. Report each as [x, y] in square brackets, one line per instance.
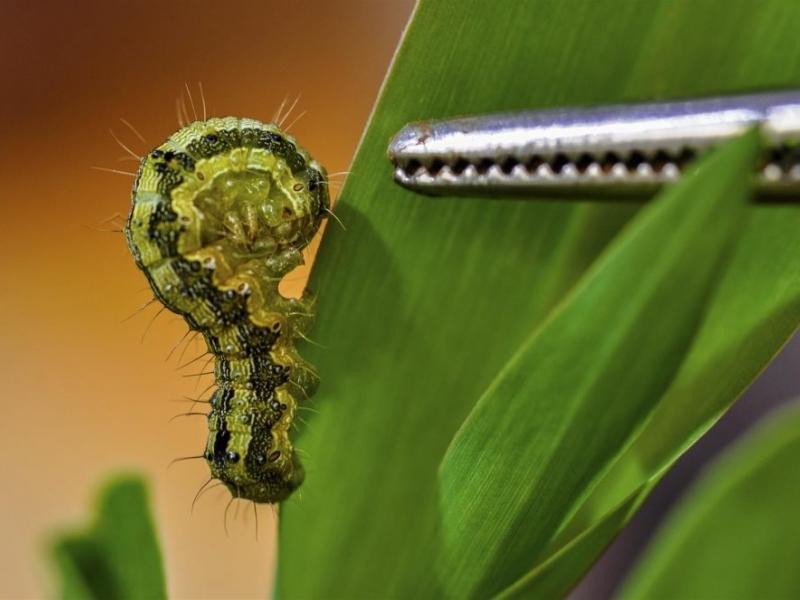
[220, 213]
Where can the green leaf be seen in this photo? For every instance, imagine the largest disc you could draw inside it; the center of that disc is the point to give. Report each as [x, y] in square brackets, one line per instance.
[737, 532]
[118, 556]
[554, 577]
[569, 399]
[753, 312]
[422, 301]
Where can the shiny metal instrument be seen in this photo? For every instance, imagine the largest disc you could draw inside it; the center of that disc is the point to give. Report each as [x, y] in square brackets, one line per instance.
[626, 148]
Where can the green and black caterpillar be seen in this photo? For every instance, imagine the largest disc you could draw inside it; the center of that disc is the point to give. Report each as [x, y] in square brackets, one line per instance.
[221, 212]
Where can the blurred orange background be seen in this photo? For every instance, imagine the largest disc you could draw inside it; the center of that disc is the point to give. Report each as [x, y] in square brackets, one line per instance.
[84, 395]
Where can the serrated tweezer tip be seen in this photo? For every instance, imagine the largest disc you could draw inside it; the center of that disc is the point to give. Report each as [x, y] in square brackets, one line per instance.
[627, 148]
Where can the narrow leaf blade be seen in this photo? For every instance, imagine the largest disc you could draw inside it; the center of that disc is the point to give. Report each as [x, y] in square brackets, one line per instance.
[570, 398]
[555, 576]
[754, 311]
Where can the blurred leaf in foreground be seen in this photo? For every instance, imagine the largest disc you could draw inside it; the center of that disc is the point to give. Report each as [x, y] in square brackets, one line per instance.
[118, 556]
[737, 532]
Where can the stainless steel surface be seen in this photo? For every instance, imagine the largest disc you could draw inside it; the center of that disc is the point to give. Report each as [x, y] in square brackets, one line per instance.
[621, 148]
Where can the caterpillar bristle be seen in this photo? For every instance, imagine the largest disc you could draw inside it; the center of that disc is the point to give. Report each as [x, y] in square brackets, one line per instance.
[295, 120]
[117, 171]
[282, 119]
[225, 515]
[153, 320]
[175, 347]
[188, 414]
[336, 218]
[133, 129]
[191, 100]
[202, 98]
[183, 459]
[130, 152]
[194, 360]
[255, 514]
[199, 493]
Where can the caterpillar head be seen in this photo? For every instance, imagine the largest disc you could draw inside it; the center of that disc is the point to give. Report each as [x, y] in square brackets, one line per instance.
[262, 212]
[263, 201]
[234, 179]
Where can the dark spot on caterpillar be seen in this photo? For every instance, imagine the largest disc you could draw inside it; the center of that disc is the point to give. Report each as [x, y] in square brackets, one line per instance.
[221, 440]
[186, 162]
[212, 254]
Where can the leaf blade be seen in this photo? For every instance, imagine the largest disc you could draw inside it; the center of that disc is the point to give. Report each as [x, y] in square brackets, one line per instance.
[510, 472]
[753, 313]
[555, 576]
[736, 534]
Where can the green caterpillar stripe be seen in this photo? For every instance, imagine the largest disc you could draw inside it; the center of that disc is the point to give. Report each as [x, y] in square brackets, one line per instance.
[221, 212]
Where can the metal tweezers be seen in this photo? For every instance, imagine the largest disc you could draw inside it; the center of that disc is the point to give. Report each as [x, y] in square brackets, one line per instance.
[626, 148]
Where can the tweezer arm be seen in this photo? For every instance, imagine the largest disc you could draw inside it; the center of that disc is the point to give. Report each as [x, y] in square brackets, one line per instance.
[621, 148]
